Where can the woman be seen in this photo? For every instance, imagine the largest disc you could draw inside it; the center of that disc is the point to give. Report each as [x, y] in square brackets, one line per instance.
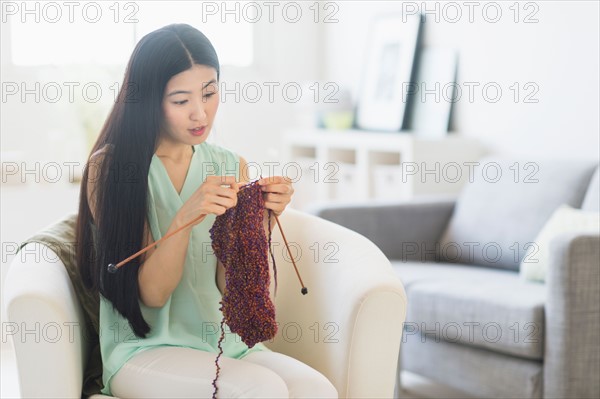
[148, 175]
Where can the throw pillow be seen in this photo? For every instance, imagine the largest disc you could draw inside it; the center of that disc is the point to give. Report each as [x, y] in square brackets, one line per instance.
[564, 219]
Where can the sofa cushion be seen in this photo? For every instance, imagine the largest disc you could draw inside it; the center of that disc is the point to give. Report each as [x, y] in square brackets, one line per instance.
[481, 307]
[506, 205]
[591, 202]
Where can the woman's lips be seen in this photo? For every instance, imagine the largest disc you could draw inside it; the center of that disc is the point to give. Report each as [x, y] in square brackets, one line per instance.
[198, 132]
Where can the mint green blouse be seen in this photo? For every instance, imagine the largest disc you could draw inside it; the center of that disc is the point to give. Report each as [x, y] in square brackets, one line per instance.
[191, 317]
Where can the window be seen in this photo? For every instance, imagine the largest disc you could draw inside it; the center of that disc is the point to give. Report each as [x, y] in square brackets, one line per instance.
[64, 43]
[45, 35]
[233, 40]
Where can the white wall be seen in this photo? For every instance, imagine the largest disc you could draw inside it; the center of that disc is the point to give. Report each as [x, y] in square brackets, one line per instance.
[286, 54]
[559, 54]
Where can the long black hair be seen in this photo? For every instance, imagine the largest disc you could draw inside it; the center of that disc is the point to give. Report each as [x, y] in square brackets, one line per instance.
[130, 133]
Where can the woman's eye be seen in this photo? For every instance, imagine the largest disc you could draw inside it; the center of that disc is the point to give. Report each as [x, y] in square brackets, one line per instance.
[185, 101]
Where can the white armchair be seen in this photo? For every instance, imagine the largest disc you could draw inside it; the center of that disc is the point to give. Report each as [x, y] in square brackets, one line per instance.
[348, 326]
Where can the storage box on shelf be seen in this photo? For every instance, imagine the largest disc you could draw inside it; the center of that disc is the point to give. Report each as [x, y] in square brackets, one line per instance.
[368, 165]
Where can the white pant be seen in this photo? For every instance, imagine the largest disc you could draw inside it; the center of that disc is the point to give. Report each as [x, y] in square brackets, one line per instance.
[176, 372]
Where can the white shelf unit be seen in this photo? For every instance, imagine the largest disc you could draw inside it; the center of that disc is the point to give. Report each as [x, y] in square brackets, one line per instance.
[358, 165]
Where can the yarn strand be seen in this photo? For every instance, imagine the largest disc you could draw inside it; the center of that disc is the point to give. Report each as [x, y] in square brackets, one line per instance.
[214, 383]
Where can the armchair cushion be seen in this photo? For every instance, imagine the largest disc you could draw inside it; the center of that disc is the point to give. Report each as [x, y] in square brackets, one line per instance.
[506, 206]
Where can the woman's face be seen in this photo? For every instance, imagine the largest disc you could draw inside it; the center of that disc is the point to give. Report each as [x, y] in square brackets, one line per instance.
[191, 100]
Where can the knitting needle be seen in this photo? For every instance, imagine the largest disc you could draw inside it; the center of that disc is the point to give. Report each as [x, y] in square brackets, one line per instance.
[304, 289]
[112, 268]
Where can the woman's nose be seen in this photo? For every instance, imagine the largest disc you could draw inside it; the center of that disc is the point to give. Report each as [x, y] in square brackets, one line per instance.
[199, 111]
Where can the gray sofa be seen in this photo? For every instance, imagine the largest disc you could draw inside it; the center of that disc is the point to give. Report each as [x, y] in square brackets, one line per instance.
[472, 322]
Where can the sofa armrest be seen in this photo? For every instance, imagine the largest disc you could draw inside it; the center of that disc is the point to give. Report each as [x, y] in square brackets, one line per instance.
[46, 324]
[349, 325]
[401, 230]
[572, 353]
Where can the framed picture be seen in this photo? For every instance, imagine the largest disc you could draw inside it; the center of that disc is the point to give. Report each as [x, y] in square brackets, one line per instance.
[429, 116]
[388, 72]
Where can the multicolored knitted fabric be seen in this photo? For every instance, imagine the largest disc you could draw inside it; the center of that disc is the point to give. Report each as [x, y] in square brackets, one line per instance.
[240, 243]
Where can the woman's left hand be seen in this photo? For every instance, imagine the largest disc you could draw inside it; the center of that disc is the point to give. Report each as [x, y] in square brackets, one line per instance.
[277, 192]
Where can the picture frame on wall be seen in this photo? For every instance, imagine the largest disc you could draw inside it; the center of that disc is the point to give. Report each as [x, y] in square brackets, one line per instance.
[388, 72]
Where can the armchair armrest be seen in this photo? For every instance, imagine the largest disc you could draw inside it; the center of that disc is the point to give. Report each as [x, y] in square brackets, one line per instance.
[400, 230]
[349, 325]
[572, 353]
[45, 321]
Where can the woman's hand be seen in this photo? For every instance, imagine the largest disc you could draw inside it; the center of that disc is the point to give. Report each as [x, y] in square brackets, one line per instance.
[211, 198]
[277, 192]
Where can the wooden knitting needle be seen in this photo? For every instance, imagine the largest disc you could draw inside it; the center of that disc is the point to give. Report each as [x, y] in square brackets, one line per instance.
[112, 268]
[304, 289]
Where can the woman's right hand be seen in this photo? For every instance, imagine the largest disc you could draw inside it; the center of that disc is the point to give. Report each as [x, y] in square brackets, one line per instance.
[209, 198]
